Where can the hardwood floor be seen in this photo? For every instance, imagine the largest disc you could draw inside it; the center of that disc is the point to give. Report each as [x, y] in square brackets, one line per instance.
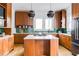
[64, 52]
[19, 51]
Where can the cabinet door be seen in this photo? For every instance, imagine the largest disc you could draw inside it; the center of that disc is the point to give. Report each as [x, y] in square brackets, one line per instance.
[21, 18]
[46, 47]
[39, 50]
[29, 47]
[68, 42]
[75, 10]
[61, 39]
[58, 17]
[5, 46]
[54, 47]
[11, 42]
[63, 18]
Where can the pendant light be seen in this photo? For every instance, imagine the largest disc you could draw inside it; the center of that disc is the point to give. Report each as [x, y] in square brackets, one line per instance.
[50, 12]
[31, 12]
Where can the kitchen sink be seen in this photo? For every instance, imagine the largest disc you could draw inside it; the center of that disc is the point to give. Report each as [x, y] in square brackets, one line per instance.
[39, 34]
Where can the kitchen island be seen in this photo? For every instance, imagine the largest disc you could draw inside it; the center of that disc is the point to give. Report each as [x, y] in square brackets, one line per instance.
[41, 45]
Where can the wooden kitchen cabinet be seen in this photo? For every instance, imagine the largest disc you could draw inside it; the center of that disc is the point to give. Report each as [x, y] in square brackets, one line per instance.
[40, 47]
[59, 16]
[64, 18]
[7, 13]
[19, 38]
[75, 10]
[7, 17]
[1, 49]
[21, 18]
[62, 39]
[11, 42]
[69, 45]
[6, 44]
[29, 47]
[54, 47]
[65, 41]
[38, 44]
[7, 31]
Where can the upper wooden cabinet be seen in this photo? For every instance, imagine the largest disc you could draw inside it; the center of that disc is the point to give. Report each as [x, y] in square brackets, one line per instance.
[21, 18]
[8, 14]
[75, 10]
[60, 17]
[7, 17]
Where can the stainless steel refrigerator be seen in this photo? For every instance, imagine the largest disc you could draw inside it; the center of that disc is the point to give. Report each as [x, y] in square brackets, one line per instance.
[75, 36]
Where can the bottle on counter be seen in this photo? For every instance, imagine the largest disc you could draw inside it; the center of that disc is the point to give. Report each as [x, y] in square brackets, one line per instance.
[30, 29]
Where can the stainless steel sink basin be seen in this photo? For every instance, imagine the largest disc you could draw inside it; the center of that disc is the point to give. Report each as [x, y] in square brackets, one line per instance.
[39, 34]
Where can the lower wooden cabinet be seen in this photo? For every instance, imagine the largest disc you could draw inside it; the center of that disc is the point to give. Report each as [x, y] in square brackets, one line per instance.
[6, 44]
[19, 38]
[1, 46]
[11, 42]
[41, 47]
[65, 41]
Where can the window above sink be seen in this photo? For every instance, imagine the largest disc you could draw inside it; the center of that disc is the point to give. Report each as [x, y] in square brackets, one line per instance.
[40, 24]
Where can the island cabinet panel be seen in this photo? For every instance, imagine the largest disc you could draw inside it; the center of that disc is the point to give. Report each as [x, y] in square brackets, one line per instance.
[29, 48]
[46, 47]
[40, 47]
[54, 47]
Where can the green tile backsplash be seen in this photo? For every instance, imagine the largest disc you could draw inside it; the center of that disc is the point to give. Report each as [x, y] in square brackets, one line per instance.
[1, 30]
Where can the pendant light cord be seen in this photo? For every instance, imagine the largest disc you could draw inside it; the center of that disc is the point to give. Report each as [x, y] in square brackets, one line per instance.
[31, 4]
[50, 4]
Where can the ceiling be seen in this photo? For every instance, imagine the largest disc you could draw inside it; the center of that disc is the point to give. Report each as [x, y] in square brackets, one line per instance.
[40, 9]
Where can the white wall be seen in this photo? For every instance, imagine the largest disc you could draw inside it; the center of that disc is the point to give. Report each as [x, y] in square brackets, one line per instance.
[40, 9]
[69, 18]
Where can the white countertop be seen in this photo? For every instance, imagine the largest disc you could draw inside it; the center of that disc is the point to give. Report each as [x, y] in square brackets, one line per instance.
[5, 37]
[65, 34]
[40, 37]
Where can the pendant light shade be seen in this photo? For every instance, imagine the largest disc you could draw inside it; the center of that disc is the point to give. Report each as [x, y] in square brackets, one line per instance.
[50, 13]
[31, 13]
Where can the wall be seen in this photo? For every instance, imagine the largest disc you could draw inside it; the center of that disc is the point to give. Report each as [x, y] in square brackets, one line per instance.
[69, 18]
